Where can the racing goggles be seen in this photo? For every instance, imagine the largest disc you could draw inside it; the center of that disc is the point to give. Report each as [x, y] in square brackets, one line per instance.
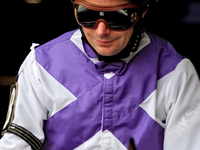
[119, 17]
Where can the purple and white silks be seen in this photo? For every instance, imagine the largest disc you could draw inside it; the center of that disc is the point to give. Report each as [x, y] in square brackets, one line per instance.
[105, 104]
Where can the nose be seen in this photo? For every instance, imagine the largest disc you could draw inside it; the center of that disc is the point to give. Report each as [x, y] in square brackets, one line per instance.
[102, 29]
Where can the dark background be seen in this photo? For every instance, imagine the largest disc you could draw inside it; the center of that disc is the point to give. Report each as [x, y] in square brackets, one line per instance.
[22, 24]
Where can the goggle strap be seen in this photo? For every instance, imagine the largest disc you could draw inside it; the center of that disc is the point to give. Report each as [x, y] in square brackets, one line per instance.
[105, 8]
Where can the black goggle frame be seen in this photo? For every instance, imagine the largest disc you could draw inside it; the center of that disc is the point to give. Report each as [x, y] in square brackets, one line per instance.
[119, 17]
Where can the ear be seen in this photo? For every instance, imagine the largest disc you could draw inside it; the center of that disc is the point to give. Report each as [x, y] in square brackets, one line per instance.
[144, 13]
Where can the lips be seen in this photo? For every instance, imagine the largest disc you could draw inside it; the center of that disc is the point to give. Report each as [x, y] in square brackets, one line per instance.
[104, 42]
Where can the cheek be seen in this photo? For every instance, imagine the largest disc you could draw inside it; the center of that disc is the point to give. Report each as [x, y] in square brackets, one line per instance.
[125, 36]
[89, 33]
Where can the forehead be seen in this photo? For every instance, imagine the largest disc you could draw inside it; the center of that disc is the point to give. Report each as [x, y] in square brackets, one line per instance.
[108, 2]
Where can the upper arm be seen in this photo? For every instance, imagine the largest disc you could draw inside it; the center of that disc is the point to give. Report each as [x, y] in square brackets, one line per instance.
[183, 108]
[29, 110]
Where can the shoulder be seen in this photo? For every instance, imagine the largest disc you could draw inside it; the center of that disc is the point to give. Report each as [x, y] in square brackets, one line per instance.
[163, 46]
[159, 55]
[62, 38]
[49, 54]
[158, 40]
[62, 48]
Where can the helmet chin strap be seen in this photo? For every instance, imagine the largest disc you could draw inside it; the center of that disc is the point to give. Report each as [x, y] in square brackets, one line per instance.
[130, 47]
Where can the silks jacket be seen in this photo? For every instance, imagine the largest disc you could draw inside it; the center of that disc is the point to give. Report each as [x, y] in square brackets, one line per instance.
[67, 99]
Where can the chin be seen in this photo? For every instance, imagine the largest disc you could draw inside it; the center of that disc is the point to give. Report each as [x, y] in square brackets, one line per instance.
[106, 51]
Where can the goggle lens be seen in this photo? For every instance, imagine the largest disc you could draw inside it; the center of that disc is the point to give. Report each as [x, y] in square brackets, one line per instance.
[117, 20]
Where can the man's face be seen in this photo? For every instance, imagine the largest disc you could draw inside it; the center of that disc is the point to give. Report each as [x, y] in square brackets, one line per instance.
[105, 41]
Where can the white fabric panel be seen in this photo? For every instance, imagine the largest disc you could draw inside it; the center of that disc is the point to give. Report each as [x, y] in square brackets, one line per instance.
[30, 111]
[109, 75]
[149, 105]
[92, 144]
[103, 141]
[177, 98]
[39, 97]
[57, 96]
[7, 143]
[110, 142]
[76, 39]
[182, 98]
[107, 141]
[145, 40]
[154, 105]
[33, 46]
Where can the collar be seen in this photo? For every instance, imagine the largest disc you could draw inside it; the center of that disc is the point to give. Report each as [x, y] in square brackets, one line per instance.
[117, 67]
[92, 55]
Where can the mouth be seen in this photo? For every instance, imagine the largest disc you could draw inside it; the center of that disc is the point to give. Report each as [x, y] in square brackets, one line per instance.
[104, 42]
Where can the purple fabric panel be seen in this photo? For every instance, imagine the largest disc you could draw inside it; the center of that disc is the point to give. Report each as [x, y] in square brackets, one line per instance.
[116, 67]
[108, 104]
[76, 123]
[69, 66]
[168, 57]
[61, 38]
[89, 51]
[146, 133]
